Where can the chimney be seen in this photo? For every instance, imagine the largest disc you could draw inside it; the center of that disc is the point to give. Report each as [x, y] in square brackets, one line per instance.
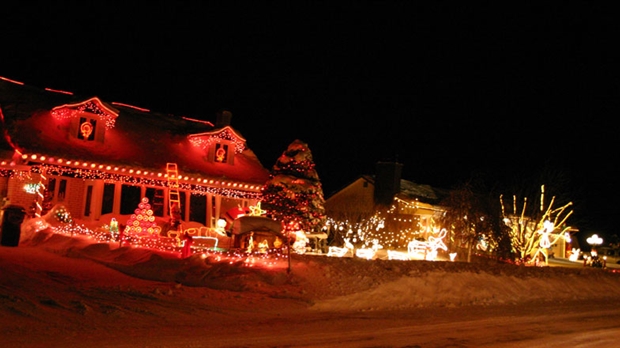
[223, 119]
[387, 182]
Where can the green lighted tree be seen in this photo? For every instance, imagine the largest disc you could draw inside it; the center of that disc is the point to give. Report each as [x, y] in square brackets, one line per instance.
[293, 194]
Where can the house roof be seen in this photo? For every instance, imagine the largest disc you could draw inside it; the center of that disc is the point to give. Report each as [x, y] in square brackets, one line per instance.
[410, 191]
[134, 137]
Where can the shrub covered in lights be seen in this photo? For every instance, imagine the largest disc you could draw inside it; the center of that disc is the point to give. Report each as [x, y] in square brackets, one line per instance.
[62, 215]
[293, 194]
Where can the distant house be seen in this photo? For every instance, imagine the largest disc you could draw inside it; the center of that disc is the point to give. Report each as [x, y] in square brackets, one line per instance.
[409, 208]
[101, 158]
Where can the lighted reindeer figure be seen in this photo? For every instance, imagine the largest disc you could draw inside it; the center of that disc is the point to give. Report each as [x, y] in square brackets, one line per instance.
[340, 252]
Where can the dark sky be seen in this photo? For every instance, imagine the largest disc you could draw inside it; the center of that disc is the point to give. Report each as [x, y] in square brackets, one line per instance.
[453, 90]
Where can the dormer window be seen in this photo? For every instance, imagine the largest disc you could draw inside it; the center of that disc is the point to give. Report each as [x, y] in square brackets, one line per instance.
[89, 120]
[220, 145]
[220, 152]
[87, 129]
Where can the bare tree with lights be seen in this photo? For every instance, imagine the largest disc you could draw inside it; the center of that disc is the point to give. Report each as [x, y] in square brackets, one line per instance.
[293, 194]
[468, 221]
[533, 231]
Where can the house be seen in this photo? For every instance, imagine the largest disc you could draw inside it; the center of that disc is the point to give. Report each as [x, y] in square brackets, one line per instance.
[100, 158]
[385, 207]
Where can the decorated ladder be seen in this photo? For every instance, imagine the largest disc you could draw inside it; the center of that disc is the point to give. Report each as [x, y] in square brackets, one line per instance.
[173, 186]
[174, 200]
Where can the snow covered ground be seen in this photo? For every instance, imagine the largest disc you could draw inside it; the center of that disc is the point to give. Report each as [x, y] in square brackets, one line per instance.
[62, 291]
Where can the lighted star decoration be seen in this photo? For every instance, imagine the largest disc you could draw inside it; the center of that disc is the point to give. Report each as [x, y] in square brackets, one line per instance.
[256, 210]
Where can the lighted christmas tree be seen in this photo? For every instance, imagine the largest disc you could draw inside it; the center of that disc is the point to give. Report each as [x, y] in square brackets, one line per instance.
[142, 221]
[294, 194]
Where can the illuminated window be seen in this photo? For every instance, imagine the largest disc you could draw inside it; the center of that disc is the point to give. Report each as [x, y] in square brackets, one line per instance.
[221, 152]
[87, 127]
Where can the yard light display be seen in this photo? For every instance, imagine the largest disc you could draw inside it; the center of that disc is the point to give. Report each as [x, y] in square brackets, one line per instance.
[142, 222]
[31, 188]
[40, 194]
[256, 210]
[401, 238]
[428, 249]
[341, 251]
[62, 215]
[574, 254]
[114, 228]
[530, 238]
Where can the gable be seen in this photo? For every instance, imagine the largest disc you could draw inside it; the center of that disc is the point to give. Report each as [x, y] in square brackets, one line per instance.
[92, 107]
[207, 140]
[220, 145]
[358, 195]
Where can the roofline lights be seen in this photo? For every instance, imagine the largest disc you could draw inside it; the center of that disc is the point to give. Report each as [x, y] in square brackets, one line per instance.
[58, 91]
[131, 106]
[144, 173]
[12, 81]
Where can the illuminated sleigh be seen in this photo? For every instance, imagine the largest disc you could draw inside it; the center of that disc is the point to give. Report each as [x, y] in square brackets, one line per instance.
[258, 230]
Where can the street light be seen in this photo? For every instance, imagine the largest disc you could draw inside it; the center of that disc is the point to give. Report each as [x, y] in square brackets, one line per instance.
[595, 240]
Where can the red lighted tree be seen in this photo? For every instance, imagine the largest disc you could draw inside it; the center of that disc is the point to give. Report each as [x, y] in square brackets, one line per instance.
[294, 194]
[142, 221]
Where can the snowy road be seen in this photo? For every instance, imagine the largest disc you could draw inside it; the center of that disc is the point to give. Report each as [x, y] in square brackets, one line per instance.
[552, 325]
[583, 325]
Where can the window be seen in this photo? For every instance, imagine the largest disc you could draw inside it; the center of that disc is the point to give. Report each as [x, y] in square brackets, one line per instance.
[89, 197]
[87, 129]
[107, 205]
[156, 198]
[56, 190]
[222, 152]
[130, 199]
[62, 190]
[198, 208]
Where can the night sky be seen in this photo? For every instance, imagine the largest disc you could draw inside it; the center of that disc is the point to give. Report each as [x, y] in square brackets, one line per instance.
[452, 90]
